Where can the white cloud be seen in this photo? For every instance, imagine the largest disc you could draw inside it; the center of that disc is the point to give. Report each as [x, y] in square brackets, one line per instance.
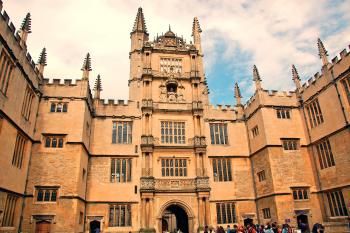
[276, 34]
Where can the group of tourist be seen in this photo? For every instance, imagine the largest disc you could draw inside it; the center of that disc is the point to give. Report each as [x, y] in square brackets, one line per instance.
[268, 228]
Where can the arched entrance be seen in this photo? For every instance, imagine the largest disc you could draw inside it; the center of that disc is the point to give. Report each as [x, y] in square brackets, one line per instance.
[175, 214]
[95, 226]
[175, 218]
[42, 227]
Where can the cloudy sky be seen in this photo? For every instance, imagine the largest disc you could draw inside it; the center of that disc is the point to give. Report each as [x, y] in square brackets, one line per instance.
[273, 34]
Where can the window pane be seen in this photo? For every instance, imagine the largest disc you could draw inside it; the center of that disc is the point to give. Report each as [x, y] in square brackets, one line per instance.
[47, 195]
[60, 142]
[40, 195]
[47, 142]
[53, 195]
[54, 142]
[53, 107]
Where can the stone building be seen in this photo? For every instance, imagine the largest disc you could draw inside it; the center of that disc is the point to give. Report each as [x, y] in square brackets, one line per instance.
[166, 158]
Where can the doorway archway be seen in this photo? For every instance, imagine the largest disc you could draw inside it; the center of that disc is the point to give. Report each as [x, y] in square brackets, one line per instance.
[175, 214]
[175, 218]
[95, 226]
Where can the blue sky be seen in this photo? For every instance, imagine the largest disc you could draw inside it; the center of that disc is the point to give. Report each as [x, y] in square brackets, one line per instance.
[273, 35]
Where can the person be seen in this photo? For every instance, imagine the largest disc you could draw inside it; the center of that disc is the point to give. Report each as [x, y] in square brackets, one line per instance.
[228, 230]
[302, 226]
[251, 228]
[235, 229]
[206, 229]
[268, 229]
[349, 223]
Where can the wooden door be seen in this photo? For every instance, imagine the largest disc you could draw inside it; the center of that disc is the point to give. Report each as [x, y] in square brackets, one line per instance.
[42, 227]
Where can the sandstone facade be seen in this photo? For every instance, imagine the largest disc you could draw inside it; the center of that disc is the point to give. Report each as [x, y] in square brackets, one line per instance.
[72, 162]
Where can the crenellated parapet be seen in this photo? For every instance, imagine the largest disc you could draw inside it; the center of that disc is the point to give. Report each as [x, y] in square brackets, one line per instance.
[10, 39]
[220, 112]
[338, 65]
[117, 108]
[270, 98]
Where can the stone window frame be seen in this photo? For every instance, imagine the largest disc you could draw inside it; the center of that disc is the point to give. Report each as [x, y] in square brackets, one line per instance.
[19, 150]
[122, 132]
[222, 167]
[166, 63]
[346, 88]
[174, 167]
[314, 113]
[283, 113]
[167, 132]
[336, 203]
[255, 131]
[58, 107]
[261, 175]
[8, 217]
[7, 65]
[290, 144]
[226, 212]
[301, 193]
[46, 194]
[115, 216]
[55, 141]
[325, 154]
[266, 213]
[29, 95]
[124, 170]
[219, 133]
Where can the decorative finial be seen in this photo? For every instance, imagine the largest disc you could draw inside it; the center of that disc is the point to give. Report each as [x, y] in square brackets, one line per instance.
[322, 52]
[196, 28]
[238, 95]
[140, 24]
[25, 29]
[86, 66]
[26, 24]
[256, 78]
[87, 63]
[98, 87]
[43, 57]
[169, 28]
[295, 77]
[42, 61]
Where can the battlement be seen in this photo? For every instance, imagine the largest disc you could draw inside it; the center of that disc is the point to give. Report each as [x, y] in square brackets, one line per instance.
[220, 107]
[116, 108]
[61, 82]
[16, 38]
[338, 65]
[114, 102]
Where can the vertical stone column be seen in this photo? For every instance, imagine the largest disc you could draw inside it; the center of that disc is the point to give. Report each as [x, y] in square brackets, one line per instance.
[200, 212]
[150, 158]
[195, 125]
[151, 222]
[201, 125]
[143, 212]
[207, 212]
[147, 213]
[150, 124]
